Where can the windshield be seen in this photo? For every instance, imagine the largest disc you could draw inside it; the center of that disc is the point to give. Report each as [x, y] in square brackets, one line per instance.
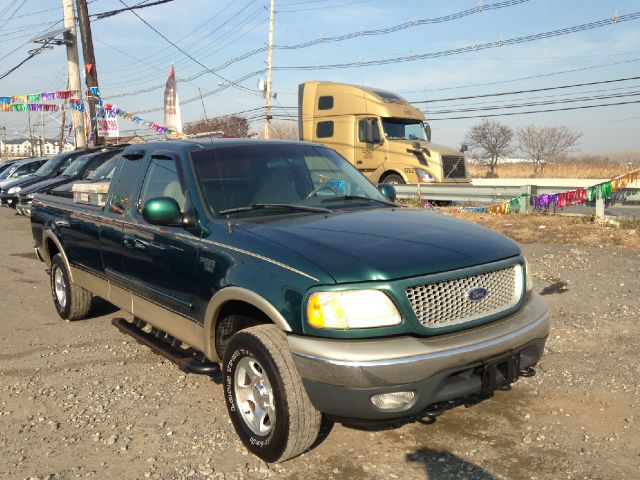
[76, 166]
[48, 167]
[105, 171]
[7, 172]
[403, 129]
[273, 176]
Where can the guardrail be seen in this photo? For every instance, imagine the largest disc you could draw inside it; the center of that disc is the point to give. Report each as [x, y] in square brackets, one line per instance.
[485, 194]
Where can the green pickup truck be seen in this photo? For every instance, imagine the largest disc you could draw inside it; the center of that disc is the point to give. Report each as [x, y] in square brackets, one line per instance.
[316, 293]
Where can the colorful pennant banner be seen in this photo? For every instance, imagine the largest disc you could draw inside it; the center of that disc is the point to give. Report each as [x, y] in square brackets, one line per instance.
[579, 196]
[31, 107]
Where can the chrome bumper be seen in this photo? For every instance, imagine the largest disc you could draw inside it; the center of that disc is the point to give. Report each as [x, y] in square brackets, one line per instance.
[385, 362]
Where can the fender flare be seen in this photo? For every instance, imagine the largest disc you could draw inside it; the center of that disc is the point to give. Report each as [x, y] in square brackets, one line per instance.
[228, 294]
[49, 235]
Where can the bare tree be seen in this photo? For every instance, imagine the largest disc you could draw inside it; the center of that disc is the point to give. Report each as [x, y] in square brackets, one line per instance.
[489, 142]
[543, 145]
[284, 130]
[231, 126]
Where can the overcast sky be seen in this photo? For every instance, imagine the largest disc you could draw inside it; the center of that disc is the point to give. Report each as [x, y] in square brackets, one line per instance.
[131, 57]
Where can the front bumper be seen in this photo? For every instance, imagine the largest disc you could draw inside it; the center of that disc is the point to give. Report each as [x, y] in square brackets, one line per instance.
[7, 200]
[24, 207]
[341, 376]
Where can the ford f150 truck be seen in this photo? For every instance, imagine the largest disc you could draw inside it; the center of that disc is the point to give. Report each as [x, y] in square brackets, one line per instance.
[316, 292]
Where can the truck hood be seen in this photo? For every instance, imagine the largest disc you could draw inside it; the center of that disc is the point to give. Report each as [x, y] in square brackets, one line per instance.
[384, 244]
[435, 147]
[7, 183]
[46, 185]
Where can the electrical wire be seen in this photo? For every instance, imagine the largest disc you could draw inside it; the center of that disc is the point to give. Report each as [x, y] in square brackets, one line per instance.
[537, 111]
[471, 48]
[185, 53]
[516, 92]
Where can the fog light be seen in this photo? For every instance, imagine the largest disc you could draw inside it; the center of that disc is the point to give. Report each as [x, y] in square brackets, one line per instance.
[393, 400]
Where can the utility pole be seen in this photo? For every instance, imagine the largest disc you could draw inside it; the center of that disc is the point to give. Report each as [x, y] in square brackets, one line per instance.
[61, 144]
[43, 139]
[267, 121]
[30, 133]
[89, 64]
[77, 117]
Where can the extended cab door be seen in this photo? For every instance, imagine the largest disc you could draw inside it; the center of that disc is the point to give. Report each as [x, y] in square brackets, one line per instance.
[161, 263]
[123, 187]
[369, 150]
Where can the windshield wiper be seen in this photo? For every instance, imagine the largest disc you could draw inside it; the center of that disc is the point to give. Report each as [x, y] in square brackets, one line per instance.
[287, 206]
[356, 197]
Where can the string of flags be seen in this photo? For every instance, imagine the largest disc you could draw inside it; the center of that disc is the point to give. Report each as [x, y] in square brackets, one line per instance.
[95, 92]
[34, 103]
[580, 196]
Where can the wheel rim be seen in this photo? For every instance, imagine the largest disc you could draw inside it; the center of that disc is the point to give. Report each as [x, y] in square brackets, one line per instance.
[59, 288]
[254, 396]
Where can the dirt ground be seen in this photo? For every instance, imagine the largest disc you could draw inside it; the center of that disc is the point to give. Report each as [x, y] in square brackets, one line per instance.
[79, 399]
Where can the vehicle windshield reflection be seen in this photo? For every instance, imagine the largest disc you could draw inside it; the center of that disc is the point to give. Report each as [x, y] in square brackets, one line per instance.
[235, 179]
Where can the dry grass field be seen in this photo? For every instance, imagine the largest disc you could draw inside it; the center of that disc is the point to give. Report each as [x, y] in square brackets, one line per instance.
[605, 165]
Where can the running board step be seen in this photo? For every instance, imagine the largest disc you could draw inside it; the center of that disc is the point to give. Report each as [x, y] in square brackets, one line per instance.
[184, 359]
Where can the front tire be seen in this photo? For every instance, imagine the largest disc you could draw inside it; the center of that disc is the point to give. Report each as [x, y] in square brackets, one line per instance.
[71, 301]
[265, 398]
[394, 179]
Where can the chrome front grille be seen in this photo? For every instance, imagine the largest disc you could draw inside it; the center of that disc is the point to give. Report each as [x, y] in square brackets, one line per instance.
[453, 167]
[440, 304]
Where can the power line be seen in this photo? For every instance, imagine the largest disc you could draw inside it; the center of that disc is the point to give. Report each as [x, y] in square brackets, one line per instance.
[537, 111]
[472, 48]
[515, 92]
[530, 77]
[534, 104]
[145, 4]
[185, 53]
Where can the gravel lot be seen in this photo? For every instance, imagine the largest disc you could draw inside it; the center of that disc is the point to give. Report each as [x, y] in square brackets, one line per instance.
[79, 399]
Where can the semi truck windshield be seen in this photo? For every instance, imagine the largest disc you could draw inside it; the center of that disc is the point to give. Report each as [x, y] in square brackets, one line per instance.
[400, 129]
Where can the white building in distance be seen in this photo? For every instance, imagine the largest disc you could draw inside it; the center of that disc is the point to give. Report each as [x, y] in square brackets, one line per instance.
[22, 147]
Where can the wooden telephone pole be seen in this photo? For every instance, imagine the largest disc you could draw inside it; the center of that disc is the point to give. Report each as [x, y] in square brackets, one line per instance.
[74, 70]
[91, 71]
[267, 121]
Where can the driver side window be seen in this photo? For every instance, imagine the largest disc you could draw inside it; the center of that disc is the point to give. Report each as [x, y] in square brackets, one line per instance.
[161, 181]
[362, 129]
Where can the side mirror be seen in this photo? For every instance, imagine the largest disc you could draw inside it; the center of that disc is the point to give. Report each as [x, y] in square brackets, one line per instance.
[369, 136]
[464, 148]
[163, 211]
[388, 191]
[427, 130]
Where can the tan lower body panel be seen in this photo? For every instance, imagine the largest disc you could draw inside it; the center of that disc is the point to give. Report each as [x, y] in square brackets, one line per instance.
[180, 327]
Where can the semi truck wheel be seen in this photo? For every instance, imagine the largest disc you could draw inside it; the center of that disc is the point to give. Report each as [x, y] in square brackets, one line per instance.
[71, 301]
[394, 179]
[266, 400]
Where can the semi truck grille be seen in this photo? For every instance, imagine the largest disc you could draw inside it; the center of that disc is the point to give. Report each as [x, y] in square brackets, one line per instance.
[451, 302]
[453, 167]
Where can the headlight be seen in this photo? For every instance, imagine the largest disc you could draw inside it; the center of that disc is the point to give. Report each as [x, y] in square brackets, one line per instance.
[30, 196]
[13, 190]
[527, 274]
[351, 309]
[423, 176]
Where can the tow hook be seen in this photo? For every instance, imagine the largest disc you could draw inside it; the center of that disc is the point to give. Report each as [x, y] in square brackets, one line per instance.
[528, 372]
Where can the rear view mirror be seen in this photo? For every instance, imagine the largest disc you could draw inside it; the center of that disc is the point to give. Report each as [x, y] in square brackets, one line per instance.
[388, 191]
[163, 211]
[427, 130]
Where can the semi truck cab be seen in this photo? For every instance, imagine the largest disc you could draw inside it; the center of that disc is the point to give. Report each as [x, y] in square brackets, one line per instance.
[379, 132]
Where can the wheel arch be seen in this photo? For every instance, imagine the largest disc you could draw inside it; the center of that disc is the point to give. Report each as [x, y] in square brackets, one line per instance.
[234, 299]
[51, 246]
[392, 172]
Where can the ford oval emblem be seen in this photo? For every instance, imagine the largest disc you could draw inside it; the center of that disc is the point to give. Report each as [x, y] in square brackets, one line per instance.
[477, 293]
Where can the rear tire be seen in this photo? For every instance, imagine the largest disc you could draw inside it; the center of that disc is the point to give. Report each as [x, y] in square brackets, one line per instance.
[71, 301]
[265, 397]
[394, 179]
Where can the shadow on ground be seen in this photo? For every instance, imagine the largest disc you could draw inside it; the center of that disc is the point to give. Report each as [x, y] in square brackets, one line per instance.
[441, 465]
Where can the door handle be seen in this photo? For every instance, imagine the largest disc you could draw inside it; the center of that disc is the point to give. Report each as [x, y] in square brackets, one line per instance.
[134, 243]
